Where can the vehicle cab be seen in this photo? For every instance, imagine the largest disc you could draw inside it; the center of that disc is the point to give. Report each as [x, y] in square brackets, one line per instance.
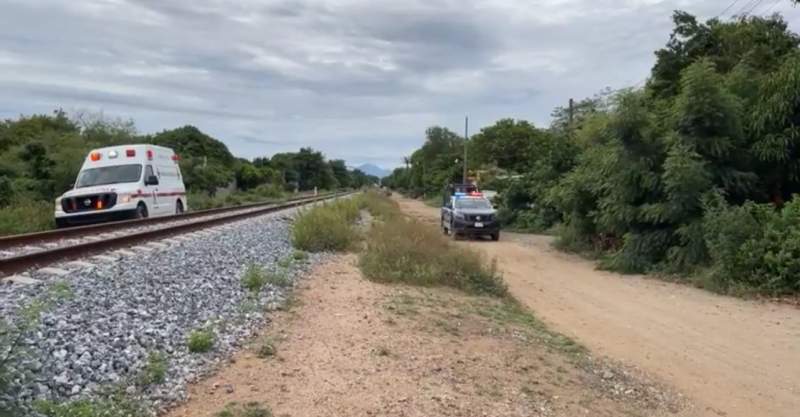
[471, 214]
[123, 182]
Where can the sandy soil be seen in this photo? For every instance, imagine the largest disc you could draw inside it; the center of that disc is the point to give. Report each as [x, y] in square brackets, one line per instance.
[350, 347]
[734, 357]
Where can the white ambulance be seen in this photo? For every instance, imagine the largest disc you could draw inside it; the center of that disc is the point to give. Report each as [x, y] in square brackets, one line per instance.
[123, 182]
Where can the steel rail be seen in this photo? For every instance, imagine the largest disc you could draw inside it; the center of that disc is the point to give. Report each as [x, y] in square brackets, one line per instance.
[21, 263]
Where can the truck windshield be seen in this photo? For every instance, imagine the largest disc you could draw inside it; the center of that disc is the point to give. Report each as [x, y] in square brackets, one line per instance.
[473, 203]
[109, 175]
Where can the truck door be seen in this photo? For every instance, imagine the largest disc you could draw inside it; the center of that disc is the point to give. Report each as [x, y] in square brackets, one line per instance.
[152, 189]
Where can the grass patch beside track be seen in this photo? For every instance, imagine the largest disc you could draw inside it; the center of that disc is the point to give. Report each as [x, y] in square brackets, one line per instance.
[401, 249]
[328, 226]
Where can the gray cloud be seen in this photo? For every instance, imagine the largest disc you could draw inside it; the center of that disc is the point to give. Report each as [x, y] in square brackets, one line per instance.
[359, 80]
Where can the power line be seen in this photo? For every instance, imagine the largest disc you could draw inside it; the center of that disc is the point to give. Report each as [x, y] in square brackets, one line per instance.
[752, 9]
[727, 8]
[771, 8]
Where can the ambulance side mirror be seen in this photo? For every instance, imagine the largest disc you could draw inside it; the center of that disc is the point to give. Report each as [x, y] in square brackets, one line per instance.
[151, 180]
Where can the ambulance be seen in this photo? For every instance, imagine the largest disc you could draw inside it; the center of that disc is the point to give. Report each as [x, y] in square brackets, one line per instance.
[124, 182]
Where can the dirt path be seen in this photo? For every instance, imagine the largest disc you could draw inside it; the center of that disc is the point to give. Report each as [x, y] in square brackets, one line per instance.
[734, 357]
[350, 347]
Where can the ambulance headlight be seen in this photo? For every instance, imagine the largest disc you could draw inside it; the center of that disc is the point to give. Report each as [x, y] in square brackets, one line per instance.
[125, 199]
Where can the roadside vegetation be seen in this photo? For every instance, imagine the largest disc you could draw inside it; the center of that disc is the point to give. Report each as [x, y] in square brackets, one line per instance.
[328, 226]
[403, 250]
[693, 175]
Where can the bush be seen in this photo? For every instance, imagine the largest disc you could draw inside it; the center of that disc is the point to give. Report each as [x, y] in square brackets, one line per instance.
[755, 246]
[404, 250]
[200, 341]
[254, 278]
[327, 227]
[26, 216]
[299, 255]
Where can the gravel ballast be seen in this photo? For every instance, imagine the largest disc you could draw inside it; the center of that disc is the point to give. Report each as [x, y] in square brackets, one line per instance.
[119, 312]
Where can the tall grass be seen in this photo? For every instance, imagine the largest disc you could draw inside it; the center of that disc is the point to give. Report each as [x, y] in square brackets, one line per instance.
[327, 227]
[400, 249]
[26, 216]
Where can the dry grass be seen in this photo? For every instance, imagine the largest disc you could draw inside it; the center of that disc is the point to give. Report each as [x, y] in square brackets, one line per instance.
[327, 227]
[400, 249]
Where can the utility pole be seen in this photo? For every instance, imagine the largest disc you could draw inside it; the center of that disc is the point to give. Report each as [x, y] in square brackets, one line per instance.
[466, 140]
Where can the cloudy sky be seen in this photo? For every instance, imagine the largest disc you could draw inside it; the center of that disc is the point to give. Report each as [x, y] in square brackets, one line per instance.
[357, 79]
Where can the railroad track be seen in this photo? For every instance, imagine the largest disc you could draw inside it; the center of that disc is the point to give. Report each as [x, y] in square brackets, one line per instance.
[19, 253]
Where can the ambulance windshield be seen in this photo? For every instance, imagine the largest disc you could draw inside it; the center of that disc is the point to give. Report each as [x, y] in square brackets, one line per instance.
[109, 175]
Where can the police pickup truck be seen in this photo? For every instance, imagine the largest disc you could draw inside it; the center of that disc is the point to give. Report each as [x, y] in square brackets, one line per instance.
[467, 212]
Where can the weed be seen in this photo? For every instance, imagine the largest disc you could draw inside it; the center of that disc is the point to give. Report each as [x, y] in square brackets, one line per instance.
[201, 340]
[251, 409]
[300, 255]
[278, 279]
[26, 216]
[404, 250]
[114, 405]
[285, 262]
[328, 227]
[266, 348]
[155, 372]
[254, 278]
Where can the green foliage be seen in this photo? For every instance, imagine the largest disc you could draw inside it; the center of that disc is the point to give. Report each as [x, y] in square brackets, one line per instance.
[327, 227]
[251, 409]
[299, 255]
[630, 176]
[155, 371]
[254, 278]
[266, 348]
[116, 405]
[755, 246]
[26, 216]
[200, 340]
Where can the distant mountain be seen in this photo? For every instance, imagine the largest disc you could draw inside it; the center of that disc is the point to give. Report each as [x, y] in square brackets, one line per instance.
[375, 170]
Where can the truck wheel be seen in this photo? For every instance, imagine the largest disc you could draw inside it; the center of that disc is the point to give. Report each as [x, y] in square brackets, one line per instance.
[453, 232]
[496, 236]
[178, 207]
[141, 211]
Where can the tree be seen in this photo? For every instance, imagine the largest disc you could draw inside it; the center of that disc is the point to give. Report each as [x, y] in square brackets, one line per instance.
[340, 173]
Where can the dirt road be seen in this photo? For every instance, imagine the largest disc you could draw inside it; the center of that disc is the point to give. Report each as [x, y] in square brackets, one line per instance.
[351, 347]
[732, 357]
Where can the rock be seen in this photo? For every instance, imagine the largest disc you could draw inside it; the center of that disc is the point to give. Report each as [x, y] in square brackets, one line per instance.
[608, 375]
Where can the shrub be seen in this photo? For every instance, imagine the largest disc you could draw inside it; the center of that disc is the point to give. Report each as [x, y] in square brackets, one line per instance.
[26, 216]
[200, 341]
[327, 227]
[155, 372]
[299, 255]
[754, 246]
[404, 250]
[254, 278]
